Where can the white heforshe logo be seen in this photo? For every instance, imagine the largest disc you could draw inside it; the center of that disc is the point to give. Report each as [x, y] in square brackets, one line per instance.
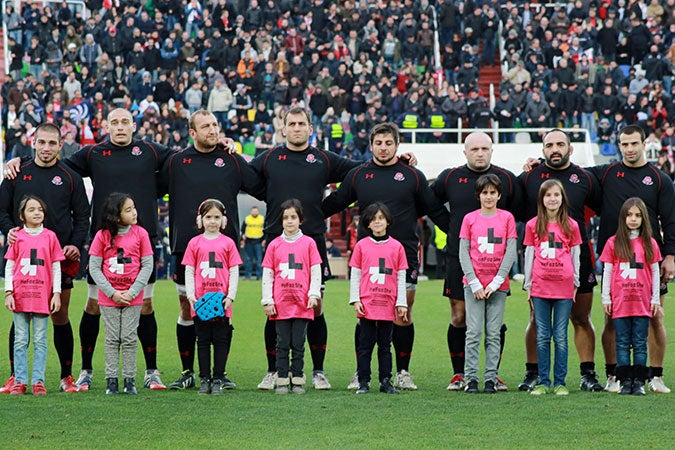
[27, 268]
[627, 272]
[288, 269]
[484, 246]
[548, 247]
[376, 276]
[115, 266]
[207, 271]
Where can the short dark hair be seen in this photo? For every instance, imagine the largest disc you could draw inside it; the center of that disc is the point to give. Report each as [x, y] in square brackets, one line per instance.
[293, 203]
[489, 179]
[48, 126]
[386, 128]
[567, 136]
[298, 110]
[632, 129]
[371, 210]
[24, 201]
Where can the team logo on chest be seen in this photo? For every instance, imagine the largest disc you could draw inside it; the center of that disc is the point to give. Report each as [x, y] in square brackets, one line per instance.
[486, 244]
[399, 176]
[136, 151]
[57, 181]
[548, 247]
[288, 269]
[379, 273]
[574, 178]
[117, 262]
[629, 269]
[219, 162]
[29, 265]
[209, 267]
[647, 181]
[311, 158]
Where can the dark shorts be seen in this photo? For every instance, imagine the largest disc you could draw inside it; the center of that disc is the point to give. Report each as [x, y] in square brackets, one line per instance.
[413, 260]
[587, 278]
[179, 269]
[153, 275]
[453, 286]
[320, 240]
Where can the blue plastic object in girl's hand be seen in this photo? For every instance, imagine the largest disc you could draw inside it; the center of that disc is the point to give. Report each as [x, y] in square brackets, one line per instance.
[210, 306]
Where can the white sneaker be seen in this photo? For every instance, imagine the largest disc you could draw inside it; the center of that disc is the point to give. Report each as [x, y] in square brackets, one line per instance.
[403, 380]
[613, 385]
[656, 385]
[456, 383]
[320, 382]
[267, 383]
[500, 385]
[152, 381]
[83, 382]
[354, 384]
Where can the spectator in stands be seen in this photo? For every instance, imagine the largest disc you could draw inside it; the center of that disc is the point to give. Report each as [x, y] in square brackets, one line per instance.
[569, 105]
[505, 111]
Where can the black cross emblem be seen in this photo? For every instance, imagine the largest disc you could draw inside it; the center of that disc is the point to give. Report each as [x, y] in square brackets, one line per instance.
[292, 264]
[34, 261]
[491, 237]
[120, 257]
[213, 263]
[384, 269]
[552, 242]
[635, 265]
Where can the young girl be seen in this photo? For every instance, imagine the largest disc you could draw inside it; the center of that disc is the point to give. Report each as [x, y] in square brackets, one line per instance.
[630, 291]
[551, 242]
[32, 291]
[377, 291]
[120, 262]
[291, 288]
[487, 250]
[211, 263]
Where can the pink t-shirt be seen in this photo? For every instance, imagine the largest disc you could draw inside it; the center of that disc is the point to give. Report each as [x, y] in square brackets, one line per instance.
[379, 264]
[292, 263]
[33, 256]
[631, 284]
[487, 237]
[212, 260]
[121, 262]
[553, 269]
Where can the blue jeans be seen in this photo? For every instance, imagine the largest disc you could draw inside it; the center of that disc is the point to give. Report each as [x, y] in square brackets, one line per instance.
[560, 311]
[631, 331]
[21, 341]
[253, 250]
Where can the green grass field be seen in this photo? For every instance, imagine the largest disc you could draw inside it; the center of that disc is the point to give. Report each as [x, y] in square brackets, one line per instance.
[247, 418]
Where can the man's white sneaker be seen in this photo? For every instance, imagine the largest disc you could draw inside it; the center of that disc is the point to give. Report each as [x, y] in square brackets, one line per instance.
[267, 383]
[657, 385]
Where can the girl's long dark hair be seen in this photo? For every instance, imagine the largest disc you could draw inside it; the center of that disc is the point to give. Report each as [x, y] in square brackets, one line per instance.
[623, 249]
[542, 215]
[110, 214]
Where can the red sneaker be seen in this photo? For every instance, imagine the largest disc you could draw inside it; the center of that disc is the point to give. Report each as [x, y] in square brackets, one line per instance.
[39, 388]
[7, 386]
[18, 389]
[68, 384]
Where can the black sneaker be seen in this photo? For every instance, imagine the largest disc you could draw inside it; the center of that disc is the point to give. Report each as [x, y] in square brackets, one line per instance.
[626, 387]
[204, 386]
[387, 387]
[185, 381]
[531, 380]
[363, 388]
[472, 387]
[130, 386]
[112, 386]
[490, 387]
[228, 384]
[217, 387]
[589, 382]
[638, 387]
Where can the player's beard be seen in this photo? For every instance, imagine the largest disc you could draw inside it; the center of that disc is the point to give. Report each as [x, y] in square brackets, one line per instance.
[562, 162]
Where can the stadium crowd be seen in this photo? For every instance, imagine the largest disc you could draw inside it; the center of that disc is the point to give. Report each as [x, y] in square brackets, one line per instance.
[594, 65]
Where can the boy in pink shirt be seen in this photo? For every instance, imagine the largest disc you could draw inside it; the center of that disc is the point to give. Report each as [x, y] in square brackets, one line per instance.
[377, 291]
[487, 250]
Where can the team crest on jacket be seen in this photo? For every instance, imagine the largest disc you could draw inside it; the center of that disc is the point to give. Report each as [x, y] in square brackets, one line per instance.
[136, 151]
[57, 181]
[311, 158]
[574, 178]
[399, 176]
[647, 181]
[219, 162]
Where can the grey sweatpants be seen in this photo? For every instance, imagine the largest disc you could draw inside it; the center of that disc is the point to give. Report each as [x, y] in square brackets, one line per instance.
[482, 314]
[121, 326]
